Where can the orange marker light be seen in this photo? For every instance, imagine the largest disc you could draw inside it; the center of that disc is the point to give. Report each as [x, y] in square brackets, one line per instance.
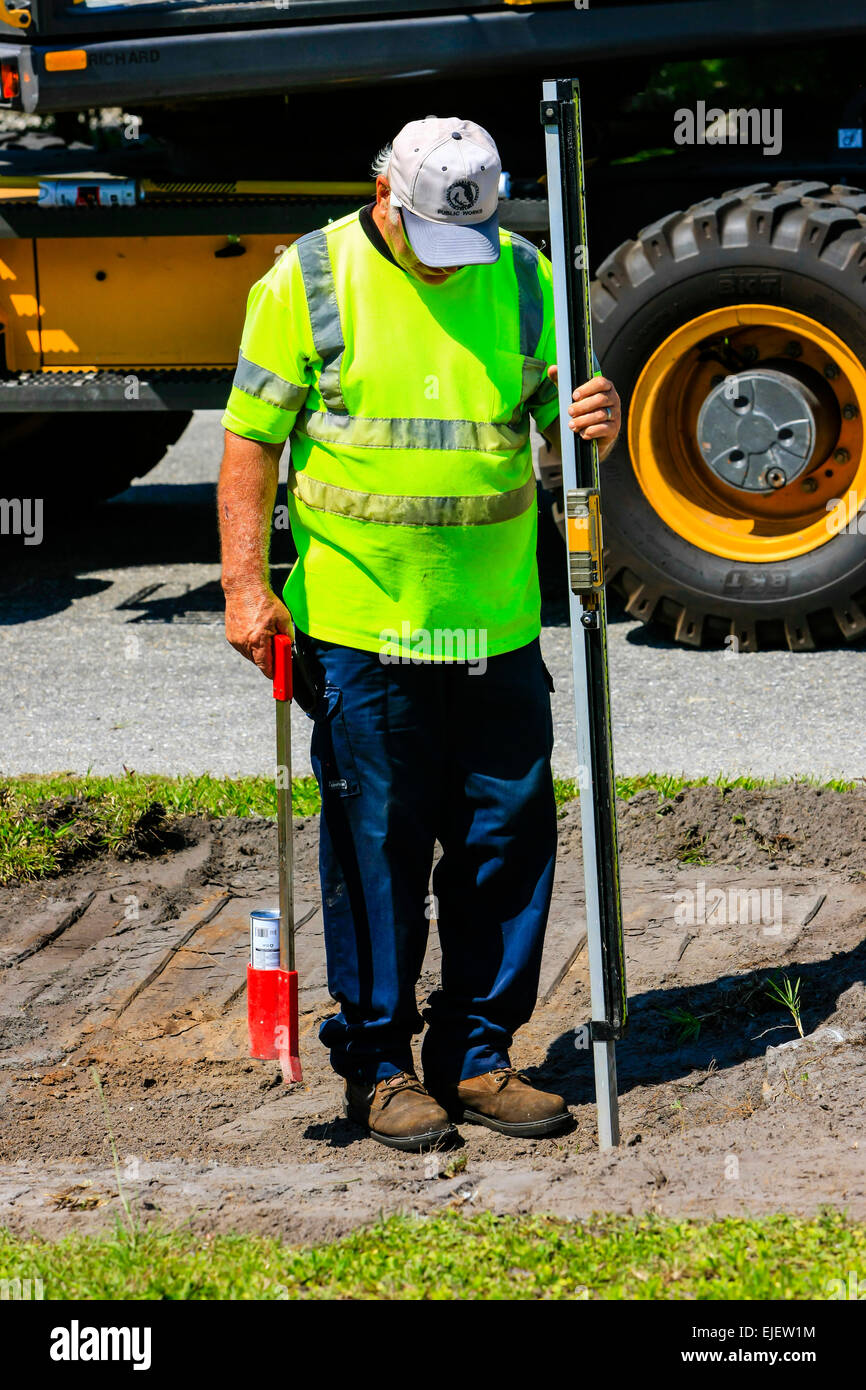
[66, 60]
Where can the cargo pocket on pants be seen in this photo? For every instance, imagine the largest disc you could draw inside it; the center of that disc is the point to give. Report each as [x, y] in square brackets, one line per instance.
[339, 772]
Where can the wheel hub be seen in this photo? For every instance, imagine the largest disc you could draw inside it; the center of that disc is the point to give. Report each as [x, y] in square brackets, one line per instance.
[677, 388]
[757, 429]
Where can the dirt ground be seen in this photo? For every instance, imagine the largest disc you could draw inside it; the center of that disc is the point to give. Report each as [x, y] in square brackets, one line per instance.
[137, 966]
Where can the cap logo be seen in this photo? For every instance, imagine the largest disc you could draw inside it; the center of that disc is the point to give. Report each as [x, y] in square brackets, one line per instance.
[462, 195]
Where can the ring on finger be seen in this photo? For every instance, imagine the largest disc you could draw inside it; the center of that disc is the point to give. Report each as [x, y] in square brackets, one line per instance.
[609, 412]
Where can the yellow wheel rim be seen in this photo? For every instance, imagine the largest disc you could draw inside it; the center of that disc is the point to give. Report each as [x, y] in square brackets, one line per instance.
[683, 490]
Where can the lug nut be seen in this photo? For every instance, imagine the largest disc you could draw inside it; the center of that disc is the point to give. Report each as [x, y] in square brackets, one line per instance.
[750, 354]
[850, 412]
[775, 477]
[841, 456]
[809, 485]
[793, 349]
[831, 370]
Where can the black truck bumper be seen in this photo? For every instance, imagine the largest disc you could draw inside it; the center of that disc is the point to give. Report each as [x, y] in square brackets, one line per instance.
[296, 57]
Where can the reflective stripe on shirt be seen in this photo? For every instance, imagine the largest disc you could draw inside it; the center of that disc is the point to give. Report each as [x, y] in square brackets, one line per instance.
[397, 510]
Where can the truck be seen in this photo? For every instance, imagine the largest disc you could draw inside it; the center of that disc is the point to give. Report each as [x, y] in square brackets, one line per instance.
[157, 155]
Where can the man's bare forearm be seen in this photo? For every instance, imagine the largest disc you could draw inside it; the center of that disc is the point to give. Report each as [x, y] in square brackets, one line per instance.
[245, 499]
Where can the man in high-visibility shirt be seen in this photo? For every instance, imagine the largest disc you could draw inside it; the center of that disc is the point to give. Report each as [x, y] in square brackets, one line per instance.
[403, 349]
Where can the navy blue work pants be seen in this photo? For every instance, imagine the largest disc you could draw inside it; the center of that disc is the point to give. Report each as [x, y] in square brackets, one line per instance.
[405, 755]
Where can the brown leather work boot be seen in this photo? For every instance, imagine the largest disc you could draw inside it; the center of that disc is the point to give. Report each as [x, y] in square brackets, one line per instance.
[399, 1112]
[503, 1099]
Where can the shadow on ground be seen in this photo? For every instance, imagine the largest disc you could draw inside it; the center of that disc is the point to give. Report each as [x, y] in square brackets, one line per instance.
[734, 1010]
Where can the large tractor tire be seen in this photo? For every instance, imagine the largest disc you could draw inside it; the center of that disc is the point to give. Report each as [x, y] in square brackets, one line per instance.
[87, 456]
[735, 333]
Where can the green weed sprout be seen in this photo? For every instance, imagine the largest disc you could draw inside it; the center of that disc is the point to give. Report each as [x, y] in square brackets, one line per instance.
[789, 995]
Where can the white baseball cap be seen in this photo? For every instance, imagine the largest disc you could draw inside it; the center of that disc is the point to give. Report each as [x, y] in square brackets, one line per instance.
[444, 174]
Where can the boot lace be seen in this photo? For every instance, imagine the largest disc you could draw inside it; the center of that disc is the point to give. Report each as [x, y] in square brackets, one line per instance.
[403, 1081]
[502, 1075]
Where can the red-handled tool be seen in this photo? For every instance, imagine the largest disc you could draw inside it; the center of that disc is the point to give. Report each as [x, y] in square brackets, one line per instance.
[272, 995]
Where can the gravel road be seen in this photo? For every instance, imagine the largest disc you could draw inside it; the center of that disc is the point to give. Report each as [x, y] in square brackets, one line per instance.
[113, 655]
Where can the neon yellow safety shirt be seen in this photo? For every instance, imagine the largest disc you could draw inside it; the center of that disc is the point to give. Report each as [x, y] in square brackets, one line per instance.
[411, 490]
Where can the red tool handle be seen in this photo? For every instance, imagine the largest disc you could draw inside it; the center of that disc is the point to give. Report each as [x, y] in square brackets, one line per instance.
[282, 667]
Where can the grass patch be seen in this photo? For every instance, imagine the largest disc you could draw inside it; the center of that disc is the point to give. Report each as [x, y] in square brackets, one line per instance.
[457, 1257]
[667, 785]
[49, 824]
